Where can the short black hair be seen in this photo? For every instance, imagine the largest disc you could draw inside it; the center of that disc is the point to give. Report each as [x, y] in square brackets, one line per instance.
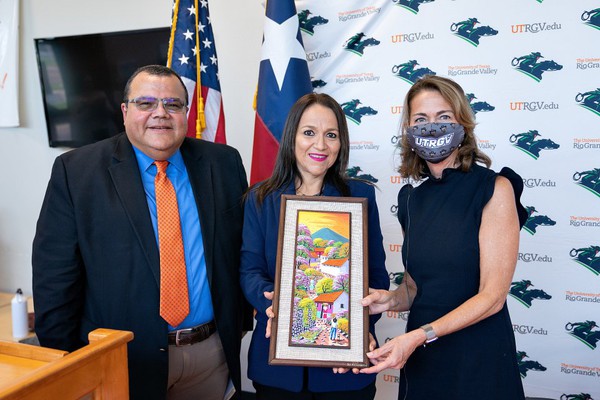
[156, 70]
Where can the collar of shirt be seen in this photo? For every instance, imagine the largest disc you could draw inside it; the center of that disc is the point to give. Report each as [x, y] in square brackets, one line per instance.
[145, 162]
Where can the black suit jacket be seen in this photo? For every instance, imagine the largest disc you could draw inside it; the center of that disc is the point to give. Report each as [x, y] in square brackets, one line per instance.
[96, 261]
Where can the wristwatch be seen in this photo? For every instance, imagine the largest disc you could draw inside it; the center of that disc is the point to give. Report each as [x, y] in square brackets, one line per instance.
[429, 334]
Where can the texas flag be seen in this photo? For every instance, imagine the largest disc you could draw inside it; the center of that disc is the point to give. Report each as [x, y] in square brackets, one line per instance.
[283, 78]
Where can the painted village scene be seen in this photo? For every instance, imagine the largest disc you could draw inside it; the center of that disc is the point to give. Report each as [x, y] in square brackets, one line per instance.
[320, 314]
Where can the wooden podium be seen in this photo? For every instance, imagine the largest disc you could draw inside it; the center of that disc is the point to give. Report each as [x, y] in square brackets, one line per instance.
[97, 371]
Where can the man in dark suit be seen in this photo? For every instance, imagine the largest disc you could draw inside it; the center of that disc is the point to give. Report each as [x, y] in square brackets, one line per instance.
[96, 258]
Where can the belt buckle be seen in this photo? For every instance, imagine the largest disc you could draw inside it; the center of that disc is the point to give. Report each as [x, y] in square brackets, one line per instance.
[177, 338]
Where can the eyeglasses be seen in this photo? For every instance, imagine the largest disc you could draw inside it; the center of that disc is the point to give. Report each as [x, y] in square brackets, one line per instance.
[171, 105]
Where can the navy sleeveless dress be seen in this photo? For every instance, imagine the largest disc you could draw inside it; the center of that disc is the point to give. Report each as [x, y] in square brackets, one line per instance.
[441, 220]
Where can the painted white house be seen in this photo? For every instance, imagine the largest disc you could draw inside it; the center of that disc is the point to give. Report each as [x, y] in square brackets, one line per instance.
[331, 303]
[335, 266]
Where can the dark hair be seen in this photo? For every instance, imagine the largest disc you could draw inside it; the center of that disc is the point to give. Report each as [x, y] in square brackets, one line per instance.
[286, 168]
[412, 165]
[155, 70]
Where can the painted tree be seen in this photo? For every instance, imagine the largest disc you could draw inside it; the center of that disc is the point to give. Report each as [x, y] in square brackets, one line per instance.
[304, 245]
[331, 252]
[342, 282]
[297, 324]
[344, 250]
[318, 242]
[301, 281]
[303, 267]
[324, 285]
[309, 312]
[303, 237]
[310, 272]
[343, 325]
[301, 261]
[300, 293]
[302, 250]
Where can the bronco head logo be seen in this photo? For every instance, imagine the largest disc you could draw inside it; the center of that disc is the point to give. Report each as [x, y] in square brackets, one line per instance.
[355, 113]
[478, 106]
[411, 5]
[318, 83]
[357, 44]
[527, 365]
[588, 257]
[521, 292]
[589, 180]
[527, 143]
[396, 277]
[407, 72]
[584, 333]
[580, 396]
[466, 30]
[307, 24]
[592, 18]
[590, 100]
[533, 221]
[355, 172]
[530, 66]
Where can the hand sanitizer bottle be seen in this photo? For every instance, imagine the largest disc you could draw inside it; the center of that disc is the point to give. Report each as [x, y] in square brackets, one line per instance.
[20, 325]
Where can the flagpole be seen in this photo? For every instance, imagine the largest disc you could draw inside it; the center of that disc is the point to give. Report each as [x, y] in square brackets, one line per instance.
[200, 118]
[172, 37]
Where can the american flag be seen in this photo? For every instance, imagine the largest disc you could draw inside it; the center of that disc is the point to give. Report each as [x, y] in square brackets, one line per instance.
[190, 17]
[283, 78]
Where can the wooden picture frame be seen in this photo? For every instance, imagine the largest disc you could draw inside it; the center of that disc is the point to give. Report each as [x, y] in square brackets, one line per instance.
[321, 277]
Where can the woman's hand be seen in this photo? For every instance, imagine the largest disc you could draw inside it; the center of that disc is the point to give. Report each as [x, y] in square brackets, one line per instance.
[394, 353]
[372, 344]
[270, 314]
[379, 301]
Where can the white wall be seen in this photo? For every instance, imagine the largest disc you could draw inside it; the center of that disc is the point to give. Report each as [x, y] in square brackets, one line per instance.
[25, 151]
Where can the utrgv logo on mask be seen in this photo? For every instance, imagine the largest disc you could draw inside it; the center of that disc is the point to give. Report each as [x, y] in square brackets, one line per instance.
[521, 292]
[534, 221]
[411, 5]
[466, 30]
[589, 180]
[434, 143]
[587, 257]
[407, 72]
[355, 113]
[590, 100]
[526, 142]
[583, 331]
[529, 65]
[592, 18]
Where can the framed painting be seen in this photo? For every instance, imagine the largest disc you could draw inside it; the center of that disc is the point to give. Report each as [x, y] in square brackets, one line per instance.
[320, 280]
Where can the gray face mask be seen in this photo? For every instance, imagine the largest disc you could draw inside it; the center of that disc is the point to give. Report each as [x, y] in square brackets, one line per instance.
[434, 142]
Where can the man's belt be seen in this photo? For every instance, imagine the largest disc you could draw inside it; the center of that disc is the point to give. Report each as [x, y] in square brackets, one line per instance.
[183, 337]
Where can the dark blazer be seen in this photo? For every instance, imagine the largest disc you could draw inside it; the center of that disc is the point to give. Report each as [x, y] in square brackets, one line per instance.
[96, 261]
[259, 253]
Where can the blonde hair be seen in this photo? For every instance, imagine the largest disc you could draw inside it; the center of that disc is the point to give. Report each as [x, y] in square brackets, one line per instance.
[413, 166]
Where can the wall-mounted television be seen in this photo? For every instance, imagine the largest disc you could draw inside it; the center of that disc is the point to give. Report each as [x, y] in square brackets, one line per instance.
[82, 79]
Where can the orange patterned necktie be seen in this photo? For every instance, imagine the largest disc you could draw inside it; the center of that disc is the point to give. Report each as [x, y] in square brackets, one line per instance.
[174, 302]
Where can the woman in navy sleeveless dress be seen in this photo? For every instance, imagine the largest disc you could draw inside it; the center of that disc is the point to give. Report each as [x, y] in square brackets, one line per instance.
[461, 233]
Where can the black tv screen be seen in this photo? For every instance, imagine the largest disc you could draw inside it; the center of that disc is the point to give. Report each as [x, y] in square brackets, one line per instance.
[83, 78]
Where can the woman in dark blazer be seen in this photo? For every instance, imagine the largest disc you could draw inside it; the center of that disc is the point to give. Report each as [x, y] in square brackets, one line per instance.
[312, 161]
